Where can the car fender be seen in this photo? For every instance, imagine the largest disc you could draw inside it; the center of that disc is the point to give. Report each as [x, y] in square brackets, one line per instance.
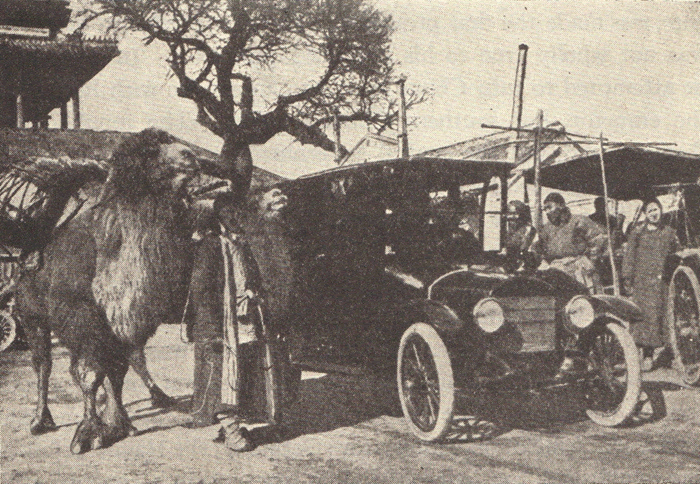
[464, 341]
[440, 316]
[619, 309]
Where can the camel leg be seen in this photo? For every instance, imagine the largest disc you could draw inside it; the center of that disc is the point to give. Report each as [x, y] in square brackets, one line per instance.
[40, 340]
[114, 415]
[91, 432]
[159, 399]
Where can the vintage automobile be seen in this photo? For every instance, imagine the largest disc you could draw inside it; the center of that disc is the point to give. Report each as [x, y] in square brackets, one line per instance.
[389, 277]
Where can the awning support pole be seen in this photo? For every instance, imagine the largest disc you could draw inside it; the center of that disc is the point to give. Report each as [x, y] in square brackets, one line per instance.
[20, 110]
[538, 163]
[616, 279]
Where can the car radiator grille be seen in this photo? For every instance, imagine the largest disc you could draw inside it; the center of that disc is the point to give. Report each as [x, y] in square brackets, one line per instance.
[534, 318]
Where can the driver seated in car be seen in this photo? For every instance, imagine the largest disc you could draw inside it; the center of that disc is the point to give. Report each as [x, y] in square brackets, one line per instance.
[571, 243]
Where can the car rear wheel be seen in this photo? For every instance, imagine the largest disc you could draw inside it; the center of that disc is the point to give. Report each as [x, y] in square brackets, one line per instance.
[683, 325]
[615, 381]
[8, 330]
[425, 382]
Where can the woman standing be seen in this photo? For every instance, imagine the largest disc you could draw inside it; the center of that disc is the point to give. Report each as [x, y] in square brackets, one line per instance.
[648, 249]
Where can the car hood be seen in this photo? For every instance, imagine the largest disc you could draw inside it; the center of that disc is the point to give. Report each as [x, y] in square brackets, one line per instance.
[484, 280]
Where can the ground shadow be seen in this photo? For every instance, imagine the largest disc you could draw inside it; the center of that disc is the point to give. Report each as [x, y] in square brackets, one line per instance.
[552, 410]
[334, 401]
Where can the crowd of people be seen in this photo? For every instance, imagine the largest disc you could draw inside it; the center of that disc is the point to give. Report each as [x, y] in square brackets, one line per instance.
[579, 246]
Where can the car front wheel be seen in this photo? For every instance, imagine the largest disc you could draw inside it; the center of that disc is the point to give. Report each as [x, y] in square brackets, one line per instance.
[615, 381]
[425, 382]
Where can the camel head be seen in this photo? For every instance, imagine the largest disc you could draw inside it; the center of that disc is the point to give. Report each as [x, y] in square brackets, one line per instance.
[151, 162]
[268, 203]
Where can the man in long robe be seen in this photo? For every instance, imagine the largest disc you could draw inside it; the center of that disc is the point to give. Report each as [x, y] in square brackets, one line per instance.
[234, 371]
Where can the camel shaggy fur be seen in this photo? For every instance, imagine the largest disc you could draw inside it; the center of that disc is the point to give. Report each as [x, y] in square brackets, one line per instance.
[110, 275]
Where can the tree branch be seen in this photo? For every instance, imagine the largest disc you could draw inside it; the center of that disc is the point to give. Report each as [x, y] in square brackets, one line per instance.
[237, 40]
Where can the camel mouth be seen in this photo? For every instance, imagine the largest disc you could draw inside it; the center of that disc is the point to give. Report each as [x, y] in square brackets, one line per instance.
[205, 191]
[278, 206]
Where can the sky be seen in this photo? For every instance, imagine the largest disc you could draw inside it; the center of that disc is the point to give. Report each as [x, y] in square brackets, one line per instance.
[630, 70]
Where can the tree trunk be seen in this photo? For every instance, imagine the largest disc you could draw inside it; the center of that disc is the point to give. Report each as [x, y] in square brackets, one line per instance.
[237, 165]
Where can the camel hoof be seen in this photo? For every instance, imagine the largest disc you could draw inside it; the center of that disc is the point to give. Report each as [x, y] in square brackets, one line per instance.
[90, 435]
[159, 399]
[117, 426]
[43, 424]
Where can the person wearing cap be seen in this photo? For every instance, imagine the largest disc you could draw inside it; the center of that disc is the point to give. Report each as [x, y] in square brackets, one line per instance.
[571, 243]
[229, 376]
[521, 235]
[645, 278]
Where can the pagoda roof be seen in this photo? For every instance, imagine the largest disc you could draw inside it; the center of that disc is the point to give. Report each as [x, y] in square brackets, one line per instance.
[49, 72]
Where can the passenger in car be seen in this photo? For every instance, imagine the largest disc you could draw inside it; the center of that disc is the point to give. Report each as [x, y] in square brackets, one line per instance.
[643, 274]
[571, 243]
[457, 242]
[521, 235]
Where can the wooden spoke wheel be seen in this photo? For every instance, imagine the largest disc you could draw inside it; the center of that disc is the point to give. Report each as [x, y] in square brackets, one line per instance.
[8, 330]
[614, 382]
[683, 325]
[425, 382]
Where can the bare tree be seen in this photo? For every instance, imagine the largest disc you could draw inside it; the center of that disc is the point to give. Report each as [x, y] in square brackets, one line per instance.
[218, 48]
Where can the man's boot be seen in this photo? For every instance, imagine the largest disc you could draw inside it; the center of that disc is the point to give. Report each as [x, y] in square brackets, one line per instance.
[237, 438]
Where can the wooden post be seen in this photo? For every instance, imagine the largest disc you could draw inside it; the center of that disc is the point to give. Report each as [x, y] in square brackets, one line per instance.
[403, 125]
[64, 116]
[20, 110]
[336, 131]
[76, 110]
[538, 163]
[616, 279]
[482, 211]
[504, 209]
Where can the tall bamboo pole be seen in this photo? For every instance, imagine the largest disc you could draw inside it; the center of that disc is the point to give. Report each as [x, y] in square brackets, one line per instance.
[538, 166]
[616, 280]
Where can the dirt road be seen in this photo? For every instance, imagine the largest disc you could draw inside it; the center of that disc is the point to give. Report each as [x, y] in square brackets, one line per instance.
[344, 429]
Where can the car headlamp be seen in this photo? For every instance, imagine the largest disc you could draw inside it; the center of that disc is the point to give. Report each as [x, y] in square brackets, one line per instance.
[488, 314]
[580, 312]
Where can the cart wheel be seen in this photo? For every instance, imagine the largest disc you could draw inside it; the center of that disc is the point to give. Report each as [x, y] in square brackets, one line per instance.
[425, 382]
[8, 330]
[683, 326]
[615, 381]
